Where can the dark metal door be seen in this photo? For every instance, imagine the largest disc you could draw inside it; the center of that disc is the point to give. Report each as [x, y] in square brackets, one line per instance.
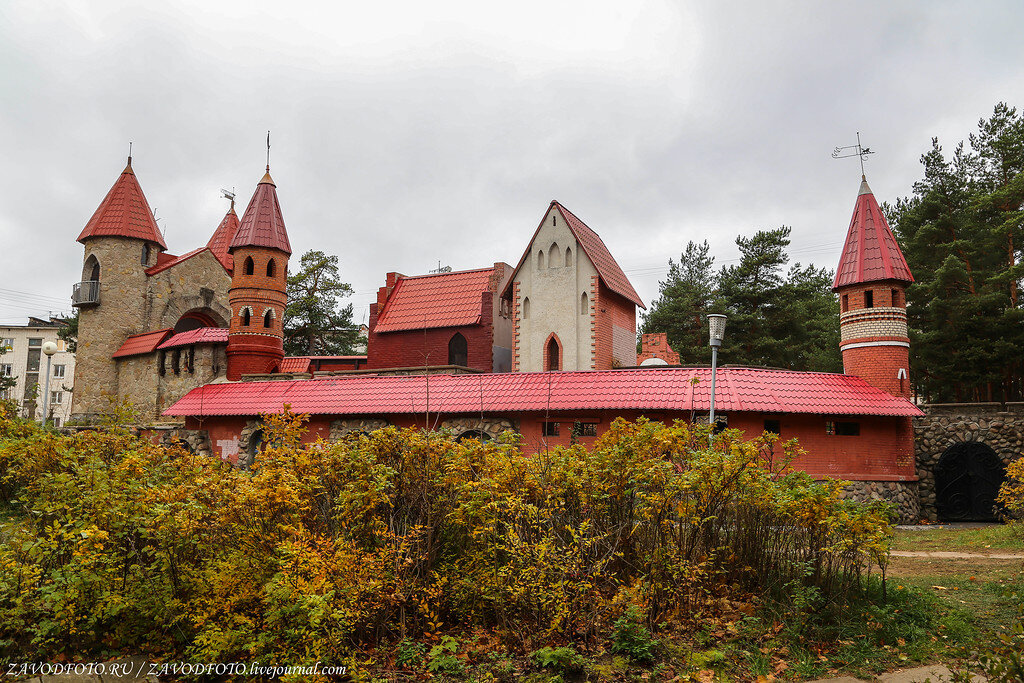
[967, 481]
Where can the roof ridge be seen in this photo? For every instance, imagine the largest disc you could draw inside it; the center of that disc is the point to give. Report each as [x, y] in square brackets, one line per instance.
[450, 272]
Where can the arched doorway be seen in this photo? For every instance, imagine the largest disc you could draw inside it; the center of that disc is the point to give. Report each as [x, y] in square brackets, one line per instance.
[482, 437]
[967, 481]
[196, 318]
[458, 350]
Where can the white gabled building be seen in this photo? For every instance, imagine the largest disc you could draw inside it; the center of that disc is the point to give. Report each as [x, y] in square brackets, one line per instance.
[22, 357]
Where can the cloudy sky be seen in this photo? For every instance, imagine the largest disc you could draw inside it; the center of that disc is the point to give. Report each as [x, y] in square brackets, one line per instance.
[411, 134]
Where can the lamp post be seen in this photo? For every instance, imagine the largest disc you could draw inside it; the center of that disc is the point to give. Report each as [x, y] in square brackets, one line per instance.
[716, 326]
[49, 348]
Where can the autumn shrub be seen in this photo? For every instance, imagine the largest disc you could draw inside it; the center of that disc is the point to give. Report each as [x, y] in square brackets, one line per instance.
[324, 552]
[1011, 493]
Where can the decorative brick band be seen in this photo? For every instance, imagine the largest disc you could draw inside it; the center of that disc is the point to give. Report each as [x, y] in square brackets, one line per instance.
[861, 345]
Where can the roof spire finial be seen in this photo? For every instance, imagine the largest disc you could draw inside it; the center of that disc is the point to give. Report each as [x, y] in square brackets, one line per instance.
[129, 152]
[268, 151]
[861, 152]
[229, 195]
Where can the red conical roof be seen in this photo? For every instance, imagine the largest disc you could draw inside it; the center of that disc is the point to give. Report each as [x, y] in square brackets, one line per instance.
[870, 252]
[221, 239]
[124, 212]
[262, 224]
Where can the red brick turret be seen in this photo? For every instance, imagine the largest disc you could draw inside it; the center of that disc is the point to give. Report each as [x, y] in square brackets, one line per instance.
[871, 283]
[260, 251]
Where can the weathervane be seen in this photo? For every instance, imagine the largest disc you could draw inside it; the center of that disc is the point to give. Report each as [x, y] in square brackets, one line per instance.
[861, 152]
[229, 195]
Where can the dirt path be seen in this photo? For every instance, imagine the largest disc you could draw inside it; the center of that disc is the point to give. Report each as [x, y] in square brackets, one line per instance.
[946, 555]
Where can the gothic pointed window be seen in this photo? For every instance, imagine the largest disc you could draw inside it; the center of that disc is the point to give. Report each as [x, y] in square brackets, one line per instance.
[568, 257]
[526, 308]
[553, 354]
[540, 260]
[458, 351]
[584, 304]
[554, 256]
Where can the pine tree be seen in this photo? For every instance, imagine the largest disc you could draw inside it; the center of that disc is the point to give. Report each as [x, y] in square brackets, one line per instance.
[686, 297]
[315, 322]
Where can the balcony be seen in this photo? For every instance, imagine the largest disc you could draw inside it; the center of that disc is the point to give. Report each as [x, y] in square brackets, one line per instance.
[85, 293]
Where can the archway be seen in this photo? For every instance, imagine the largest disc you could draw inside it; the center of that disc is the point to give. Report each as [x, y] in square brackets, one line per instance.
[967, 481]
[482, 437]
[196, 318]
[458, 350]
[91, 269]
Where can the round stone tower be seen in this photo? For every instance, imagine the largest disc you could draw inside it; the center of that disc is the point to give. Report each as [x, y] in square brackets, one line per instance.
[871, 282]
[260, 251]
[121, 241]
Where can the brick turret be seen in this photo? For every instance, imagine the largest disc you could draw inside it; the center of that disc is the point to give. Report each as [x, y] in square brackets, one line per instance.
[260, 251]
[871, 282]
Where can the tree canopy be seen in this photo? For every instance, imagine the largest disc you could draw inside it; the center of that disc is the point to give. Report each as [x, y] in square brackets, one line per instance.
[315, 322]
[777, 317]
[962, 233]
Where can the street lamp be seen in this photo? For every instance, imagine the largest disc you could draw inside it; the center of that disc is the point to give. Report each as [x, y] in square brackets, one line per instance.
[716, 325]
[49, 348]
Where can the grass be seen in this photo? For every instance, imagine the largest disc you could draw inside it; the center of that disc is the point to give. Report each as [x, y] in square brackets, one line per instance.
[960, 539]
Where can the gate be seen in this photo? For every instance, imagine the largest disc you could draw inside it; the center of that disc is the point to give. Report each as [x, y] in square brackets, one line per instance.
[967, 481]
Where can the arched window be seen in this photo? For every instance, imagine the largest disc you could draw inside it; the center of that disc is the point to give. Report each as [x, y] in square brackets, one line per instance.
[268, 317]
[540, 260]
[584, 304]
[271, 268]
[250, 267]
[568, 257]
[246, 316]
[553, 354]
[526, 308]
[145, 254]
[458, 352]
[554, 256]
[91, 271]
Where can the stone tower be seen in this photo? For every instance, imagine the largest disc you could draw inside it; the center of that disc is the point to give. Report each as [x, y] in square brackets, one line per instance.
[121, 241]
[257, 298]
[871, 282]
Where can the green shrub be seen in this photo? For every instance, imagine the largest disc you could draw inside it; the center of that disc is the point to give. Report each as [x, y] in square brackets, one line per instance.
[562, 659]
[632, 638]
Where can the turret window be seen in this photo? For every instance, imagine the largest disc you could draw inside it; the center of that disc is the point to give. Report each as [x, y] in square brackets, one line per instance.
[246, 316]
[896, 298]
[271, 268]
[869, 299]
[145, 254]
[846, 302]
[250, 267]
[268, 317]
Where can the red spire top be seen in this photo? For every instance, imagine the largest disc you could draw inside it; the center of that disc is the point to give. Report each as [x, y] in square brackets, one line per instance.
[124, 212]
[221, 239]
[870, 253]
[262, 224]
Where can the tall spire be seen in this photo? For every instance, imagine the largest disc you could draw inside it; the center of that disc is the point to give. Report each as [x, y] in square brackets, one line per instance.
[870, 252]
[221, 239]
[262, 224]
[124, 212]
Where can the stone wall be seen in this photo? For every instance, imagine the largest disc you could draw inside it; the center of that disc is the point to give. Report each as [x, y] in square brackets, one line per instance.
[904, 495]
[342, 428]
[492, 427]
[945, 424]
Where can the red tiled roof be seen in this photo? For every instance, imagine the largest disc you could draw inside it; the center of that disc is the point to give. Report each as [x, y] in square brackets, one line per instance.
[595, 249]
[138, 344]
[220, 241]
[441, 300]
[262, 224]
[738, 389]
[124, 212]
[295, 364]
[165, 263]
[870, 253]
[200, 335]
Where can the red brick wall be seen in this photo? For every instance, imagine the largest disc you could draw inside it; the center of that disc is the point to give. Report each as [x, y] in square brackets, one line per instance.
[882, 452]
[879, 365]
[612, 311]
[655, 345]
[255, 348]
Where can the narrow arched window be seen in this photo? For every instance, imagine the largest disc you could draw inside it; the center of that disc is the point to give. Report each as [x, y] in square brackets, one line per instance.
[568, 257]
[250, 267]
[246, 316]
[145, 254]
[553, 353]
[268, 317]
[458, 352]
[584, 304]
[91, 270]
[554, 256]
[540, 260]
[271, 268]
[526, 308]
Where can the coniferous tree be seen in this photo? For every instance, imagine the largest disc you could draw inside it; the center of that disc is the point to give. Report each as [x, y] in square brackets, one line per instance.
[686, 298]
[315, 322]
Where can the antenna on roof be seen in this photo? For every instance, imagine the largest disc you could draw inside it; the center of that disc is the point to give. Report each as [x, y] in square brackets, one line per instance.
[229, 195]
[862, 152]
[440, 268]
[129, 152]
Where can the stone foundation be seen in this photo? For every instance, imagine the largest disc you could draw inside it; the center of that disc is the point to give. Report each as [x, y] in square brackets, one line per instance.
[946, 424]
[492, 427]
[903, 494]
[193, 440]
[342, 428]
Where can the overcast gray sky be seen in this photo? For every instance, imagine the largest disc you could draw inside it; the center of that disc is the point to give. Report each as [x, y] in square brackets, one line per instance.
[407, 134]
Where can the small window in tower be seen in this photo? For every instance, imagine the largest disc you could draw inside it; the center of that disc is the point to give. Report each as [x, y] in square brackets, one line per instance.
[246, 316]
[773, 426]
[145, 254]
[549, 428]
[846, 302]
[869, 299]
[268, 318]
[271, 268]
[250, 267]
[896, 297]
